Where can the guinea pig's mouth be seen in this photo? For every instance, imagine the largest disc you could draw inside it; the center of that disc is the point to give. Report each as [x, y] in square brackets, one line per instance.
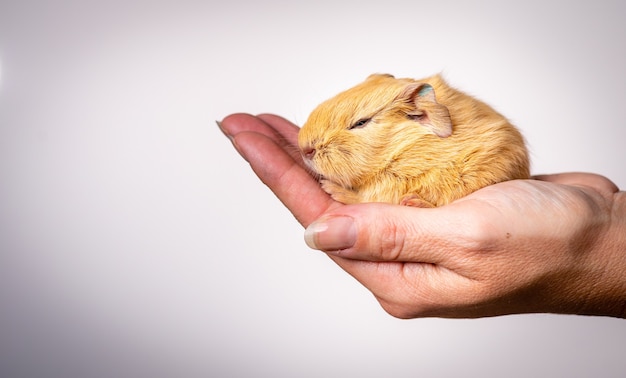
[310, 167]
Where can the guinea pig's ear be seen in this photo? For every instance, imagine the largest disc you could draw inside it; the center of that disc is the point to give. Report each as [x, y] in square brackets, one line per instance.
[379, 76]
[426, 110]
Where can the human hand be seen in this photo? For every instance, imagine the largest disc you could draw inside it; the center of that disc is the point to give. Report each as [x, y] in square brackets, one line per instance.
[553, 244]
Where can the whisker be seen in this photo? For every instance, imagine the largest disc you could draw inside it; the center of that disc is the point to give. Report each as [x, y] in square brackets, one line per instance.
[294, 152]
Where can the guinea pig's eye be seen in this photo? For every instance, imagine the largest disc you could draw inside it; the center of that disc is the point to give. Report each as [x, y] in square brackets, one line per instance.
[417, 115]
[360, 123]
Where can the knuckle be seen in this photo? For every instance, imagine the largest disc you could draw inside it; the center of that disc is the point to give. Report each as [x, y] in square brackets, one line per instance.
[478, 234]
[390, 243]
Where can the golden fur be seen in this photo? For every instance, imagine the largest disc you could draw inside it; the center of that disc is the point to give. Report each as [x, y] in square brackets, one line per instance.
[420, 143]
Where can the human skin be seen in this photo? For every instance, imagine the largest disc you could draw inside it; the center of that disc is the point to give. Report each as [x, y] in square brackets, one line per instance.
[553, 244]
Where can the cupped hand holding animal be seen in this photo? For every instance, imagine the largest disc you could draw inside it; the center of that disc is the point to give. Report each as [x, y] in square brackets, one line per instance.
[555, 243]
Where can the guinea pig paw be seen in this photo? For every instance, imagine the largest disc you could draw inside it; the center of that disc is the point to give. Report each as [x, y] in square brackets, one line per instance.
[338, 192]
[415, 201]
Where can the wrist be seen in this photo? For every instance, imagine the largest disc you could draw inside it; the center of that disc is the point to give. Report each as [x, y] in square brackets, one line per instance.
[617, 248]
[607, 259]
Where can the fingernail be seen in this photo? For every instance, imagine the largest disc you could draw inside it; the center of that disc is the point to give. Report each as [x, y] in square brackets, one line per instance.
[332, 233]
[232, 140]
[219, 124]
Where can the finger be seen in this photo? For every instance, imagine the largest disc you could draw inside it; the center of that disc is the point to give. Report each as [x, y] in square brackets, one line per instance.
[383, 232]
[278, 129]
[285, 128]
[291, 183]
[236, 123]
[595, 181]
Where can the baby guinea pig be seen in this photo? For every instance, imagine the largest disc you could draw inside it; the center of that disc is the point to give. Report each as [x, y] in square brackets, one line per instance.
[411, 142]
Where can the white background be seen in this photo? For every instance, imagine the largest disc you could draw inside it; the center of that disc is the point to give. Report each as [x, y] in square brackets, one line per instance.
[134, 241]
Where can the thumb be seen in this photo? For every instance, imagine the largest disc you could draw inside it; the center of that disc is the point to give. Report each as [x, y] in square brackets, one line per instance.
[383, 232]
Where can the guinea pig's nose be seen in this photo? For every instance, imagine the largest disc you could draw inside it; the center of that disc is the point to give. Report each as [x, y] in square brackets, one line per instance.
[308, 152]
